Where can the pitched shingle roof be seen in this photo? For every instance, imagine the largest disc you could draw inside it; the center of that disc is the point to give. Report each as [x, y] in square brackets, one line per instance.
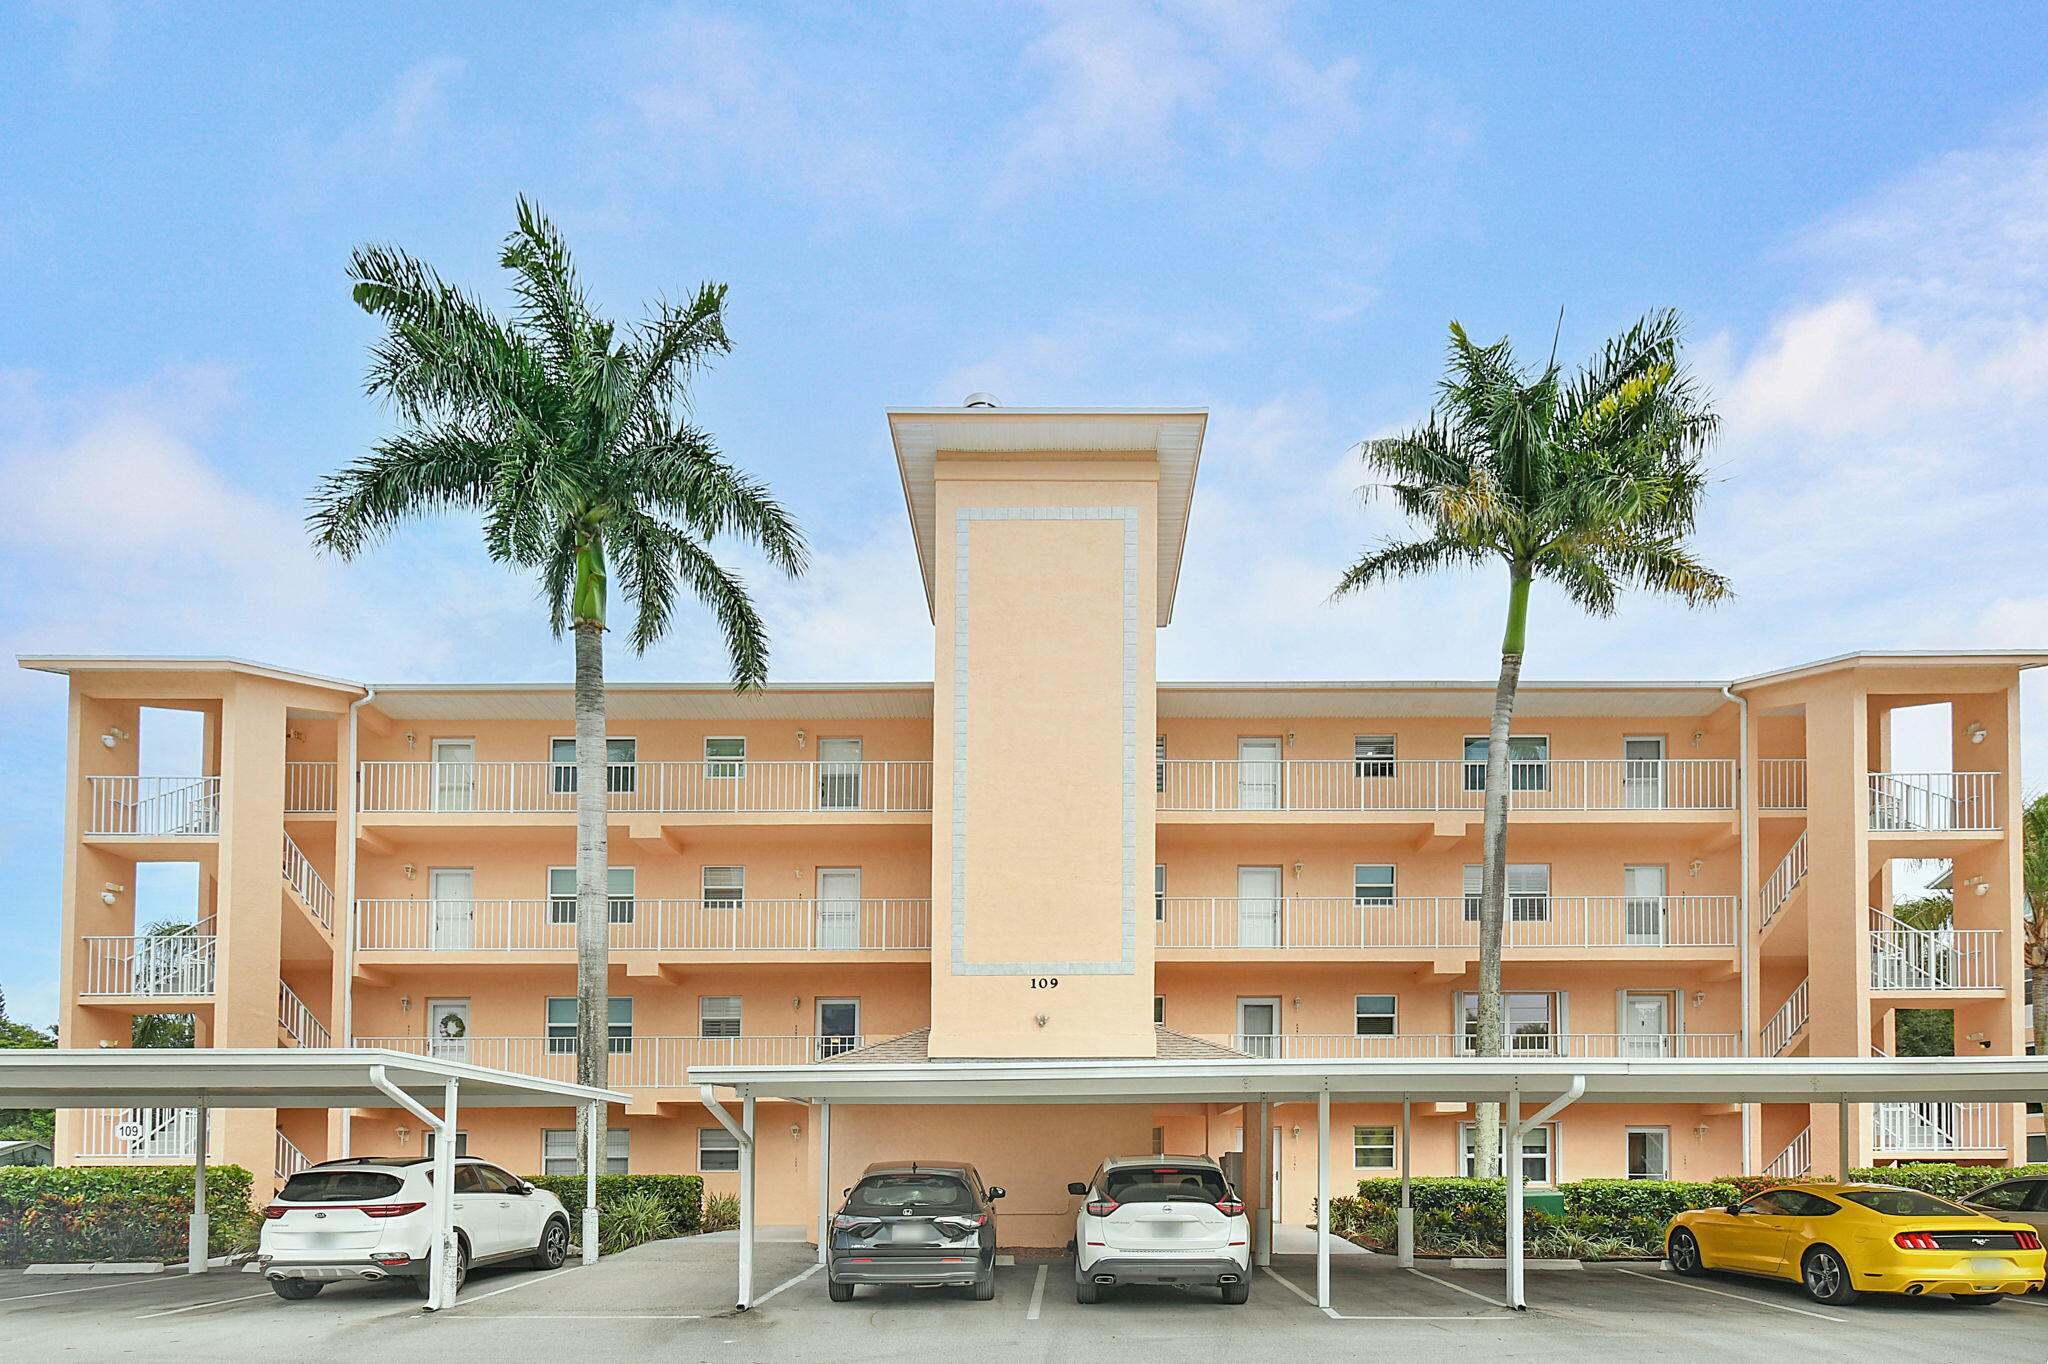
[914, 1049]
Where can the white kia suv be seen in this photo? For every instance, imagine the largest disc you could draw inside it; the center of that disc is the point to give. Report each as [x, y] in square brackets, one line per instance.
[369, 1217]
[1161, 1220]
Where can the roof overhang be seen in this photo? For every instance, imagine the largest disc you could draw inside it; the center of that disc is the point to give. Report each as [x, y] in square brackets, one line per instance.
[266, 1078]
[1171, 435]
[1438, 698]
[1465, 1080]
[2021, 659]
[69, 664]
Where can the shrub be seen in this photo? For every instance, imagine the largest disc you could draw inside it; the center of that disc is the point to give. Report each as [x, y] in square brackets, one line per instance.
[681, 1197]
[1618, 1201]
[1602, 1218]
[1944, 1180]
[1746, 1185]
[633, 1218]
[118, 1212]
[721, 1212]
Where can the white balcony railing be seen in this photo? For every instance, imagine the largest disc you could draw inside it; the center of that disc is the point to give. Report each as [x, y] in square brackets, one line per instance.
[646, 925]
[298, 1021]
[140, 1133]
[1346, 1047]
[1780, 783]
[1795, 1160]
[1791, 870]
[290, 1159]
[1446, 921]
[1924, 960]
[1318, 784]
[309, 788]
[634, 1063]
[152, 807]
[179, 963]
[1933, 802]
[721, 786]
[1899, 1128]
[1786, 1024]
[308, 884]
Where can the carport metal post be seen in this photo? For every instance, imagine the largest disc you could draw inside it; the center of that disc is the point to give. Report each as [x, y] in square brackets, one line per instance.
[196, 1224]
[1404, 1220]
[441, 1269]
[1842, 1140]
[1262, 1237]
[1323, 1198]
[743, 1133]
[1516, 1130]
[824, 1112]
[591, 1157]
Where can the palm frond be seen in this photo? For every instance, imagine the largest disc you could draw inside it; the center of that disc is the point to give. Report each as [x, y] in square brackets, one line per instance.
[418, 472]
[1406, 559]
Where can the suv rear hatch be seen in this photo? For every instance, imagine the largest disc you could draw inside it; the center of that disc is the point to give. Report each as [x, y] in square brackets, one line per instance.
[1166, 1210]
[321, 1212]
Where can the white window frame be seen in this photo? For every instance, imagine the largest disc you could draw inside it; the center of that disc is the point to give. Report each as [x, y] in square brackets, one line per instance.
[564, 1159]
[1159, 1010]
[618, 1032]
[562, 775]
[1392, 1015]
[620, 906]
[461, 1142]
[722, 768]
[839, 779]
[727, 897]
[1552, 1138]
[836, 1043]
[1358, 900]
[1367, 765]
[1359, 1146]
[1540, 778]
[706, 1017]
[1159, 764]
[1526, 905]
[710, 1139]
[1159, 892]
[1627, 1133]
[1463, 999]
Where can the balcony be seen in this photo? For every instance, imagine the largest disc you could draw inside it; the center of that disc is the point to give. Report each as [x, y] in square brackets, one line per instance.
[1448, 921]
[635, 1063]
[1927, 1128]
[1429, 785]
[1930, 961]
[152, 807]
[1427, 1046]
[175, 964]
[1780, 783]
[1933, 802]
[735, 786]
[140, 1134]
[724, 926]
[309, 788]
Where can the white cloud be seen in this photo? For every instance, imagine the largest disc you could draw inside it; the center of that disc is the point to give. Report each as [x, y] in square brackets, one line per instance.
[388, 140]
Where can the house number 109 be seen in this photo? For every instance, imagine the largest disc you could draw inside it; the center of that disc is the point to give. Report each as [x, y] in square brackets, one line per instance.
[1045, 982]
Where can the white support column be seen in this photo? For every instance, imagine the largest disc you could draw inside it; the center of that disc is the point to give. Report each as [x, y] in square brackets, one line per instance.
[1323, 1198]
[1269, 1178]
[1842, 1162]
[441, 1291]
[824, 1112]
[747, 1164]
[1404, 1225]
[196, 1225]
[592, 1162]
[1513, 1156]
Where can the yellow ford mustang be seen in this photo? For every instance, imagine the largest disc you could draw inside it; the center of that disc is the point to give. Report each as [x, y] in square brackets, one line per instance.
[1842, 1240]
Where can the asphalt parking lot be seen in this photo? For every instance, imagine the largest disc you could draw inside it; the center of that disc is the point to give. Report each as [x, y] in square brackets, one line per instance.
[673, 1300]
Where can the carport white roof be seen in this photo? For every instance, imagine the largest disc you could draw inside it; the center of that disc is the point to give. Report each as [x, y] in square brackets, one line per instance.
[265, 1078]
[1464, 1080]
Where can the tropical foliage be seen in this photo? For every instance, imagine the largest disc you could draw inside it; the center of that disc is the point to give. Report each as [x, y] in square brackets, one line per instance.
[118, 1212]
[644, 1206]
[25, 1124]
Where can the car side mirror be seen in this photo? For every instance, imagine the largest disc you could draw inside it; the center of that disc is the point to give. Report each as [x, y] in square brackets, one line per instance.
[1733, 1210]
[995, 1191]
[523, 1189]
[1077, 1188]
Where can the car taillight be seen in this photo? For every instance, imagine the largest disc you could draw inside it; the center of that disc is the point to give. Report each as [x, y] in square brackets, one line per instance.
[2027, 1240]
[957, 1227]
[1100, 1207]
[389, 1209]
[1915, 1240]
[1230, 1207]
[275, 1211]
[859, 1226]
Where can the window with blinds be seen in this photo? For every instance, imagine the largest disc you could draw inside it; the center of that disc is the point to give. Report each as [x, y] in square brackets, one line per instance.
[1372, 755]
[718, 1016]
[725, 887]
[619, 884]
[1528, 891]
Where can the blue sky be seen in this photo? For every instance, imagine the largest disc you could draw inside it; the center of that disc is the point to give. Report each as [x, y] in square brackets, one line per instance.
[1271, 210]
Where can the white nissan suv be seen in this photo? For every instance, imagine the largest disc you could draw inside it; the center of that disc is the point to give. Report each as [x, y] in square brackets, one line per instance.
[369, 1217]
[1161, 1220]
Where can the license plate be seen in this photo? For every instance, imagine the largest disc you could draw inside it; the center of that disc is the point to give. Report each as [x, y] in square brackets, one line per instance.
[1991, 1266]
[1167, 1230]
[912, 1234]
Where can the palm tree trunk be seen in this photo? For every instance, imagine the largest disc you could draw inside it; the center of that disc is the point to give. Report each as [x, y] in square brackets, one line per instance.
[2039, 972]
[1494, 876]
[593, 907]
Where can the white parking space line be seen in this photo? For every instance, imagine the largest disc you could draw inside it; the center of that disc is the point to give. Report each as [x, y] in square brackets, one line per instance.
[89, 1288]
[217, 1302]
[1334, 1315]
[2024, 1300]
[1037, 1295]
[787, 1283]
[1460, 1288]
[1738, 1297]
[464, 1299]
[583, 1316]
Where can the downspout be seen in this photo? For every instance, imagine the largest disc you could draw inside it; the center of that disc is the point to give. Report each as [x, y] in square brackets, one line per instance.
[348, 913]
[1744, 804]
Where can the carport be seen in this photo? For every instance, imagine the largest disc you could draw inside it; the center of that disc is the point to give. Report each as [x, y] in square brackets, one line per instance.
[356, 1077]
[1549, 1083]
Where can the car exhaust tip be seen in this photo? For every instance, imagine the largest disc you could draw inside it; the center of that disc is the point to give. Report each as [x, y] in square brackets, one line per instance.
[1914, 1290]
[1105, 1278]
[1226, 1278]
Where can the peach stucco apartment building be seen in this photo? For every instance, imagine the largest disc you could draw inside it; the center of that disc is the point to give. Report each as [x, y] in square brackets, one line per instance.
[1047, 852]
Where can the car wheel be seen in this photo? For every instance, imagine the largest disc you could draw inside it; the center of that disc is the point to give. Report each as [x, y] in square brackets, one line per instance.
[1236, 1294]
[839, 1292]
[1085, 1290]
[1977, 1299]
[985, 1289]
[423, 1284]
[1826, 1277]
[295, 1290]
[1684, 1253]
[553, 1249]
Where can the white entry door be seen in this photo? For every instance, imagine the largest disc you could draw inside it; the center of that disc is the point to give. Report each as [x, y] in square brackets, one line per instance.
[448, 1029]
[1258, 1027]
[452, 892]
[1642, 773]
[1645, 1023]
[454, 774]
[839, 908]
[839, 774]
[838, 1027]
[1643, 911]
[1258, 774]
[1258, 906]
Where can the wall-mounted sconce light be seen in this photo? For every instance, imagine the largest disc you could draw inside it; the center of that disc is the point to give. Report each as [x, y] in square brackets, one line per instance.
[411, 872]
[1700, 1132]
[107, 895]
[1290, 738]
[1041, 1019]
[799, 738]
[1699, 998]
[412, 740]
[795, 1132]
[405, 1004]
[106, 1046]
[1692, 868]
[403, 1134]
[114, 735]
[297, 736]
[1976, 731]
[797, 871]
[1297, 1131]
[796, 1002]
[1697, 736]
[1297, 871]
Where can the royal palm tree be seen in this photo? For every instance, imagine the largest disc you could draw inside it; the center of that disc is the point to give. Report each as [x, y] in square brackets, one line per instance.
[1590, 481]
[569, 436]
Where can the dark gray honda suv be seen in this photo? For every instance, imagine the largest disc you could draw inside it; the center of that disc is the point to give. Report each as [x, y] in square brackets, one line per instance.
[915, 1222]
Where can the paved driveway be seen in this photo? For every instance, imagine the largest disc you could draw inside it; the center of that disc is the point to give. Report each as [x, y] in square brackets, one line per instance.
[673, 1301]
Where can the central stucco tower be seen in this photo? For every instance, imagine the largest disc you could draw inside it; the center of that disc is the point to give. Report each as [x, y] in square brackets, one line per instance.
[1050, 541]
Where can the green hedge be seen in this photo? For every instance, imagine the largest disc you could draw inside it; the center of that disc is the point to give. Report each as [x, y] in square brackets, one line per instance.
[682, 1195]
[1602, 1219]
[118, 1212]
[1943, 1180]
